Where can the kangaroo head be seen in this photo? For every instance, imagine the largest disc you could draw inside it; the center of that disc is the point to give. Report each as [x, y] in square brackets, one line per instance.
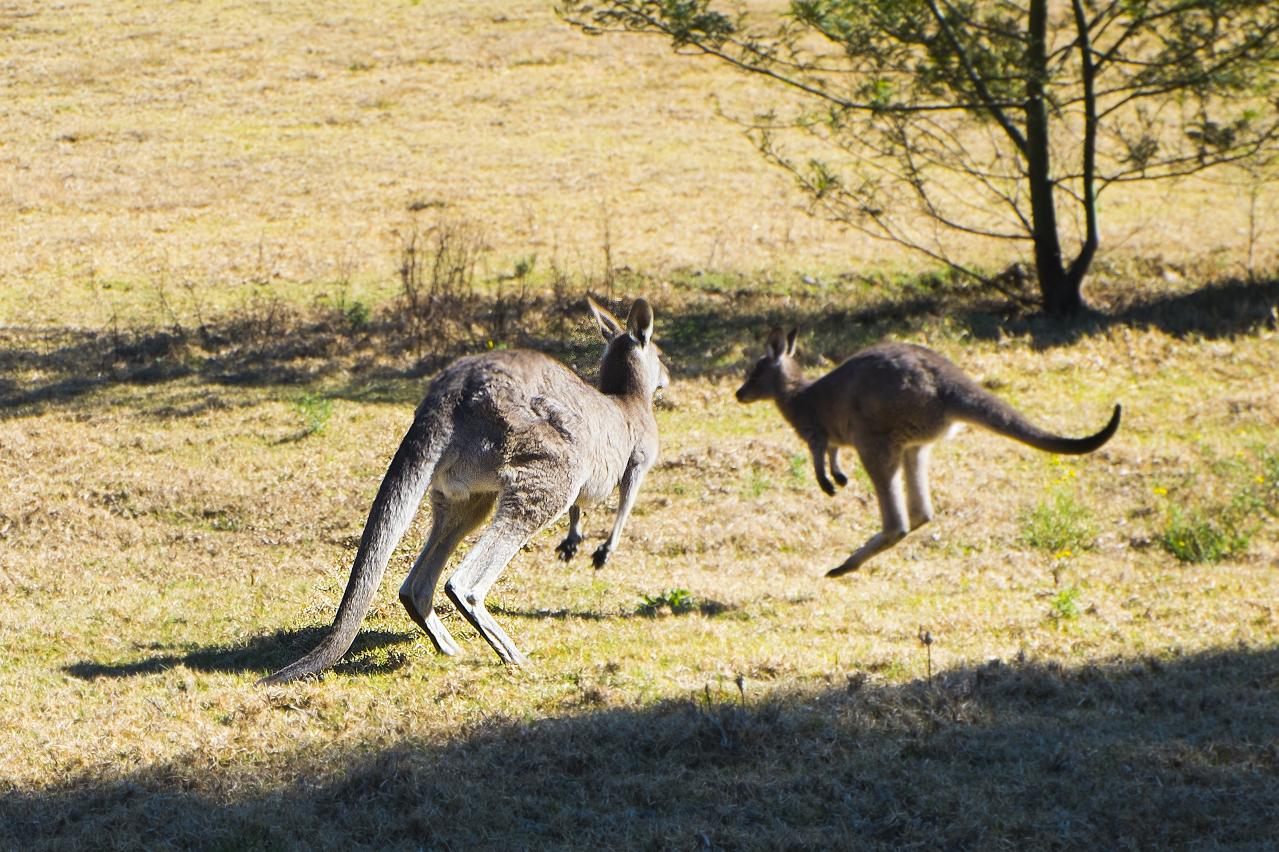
[632, 362]
[774, 372]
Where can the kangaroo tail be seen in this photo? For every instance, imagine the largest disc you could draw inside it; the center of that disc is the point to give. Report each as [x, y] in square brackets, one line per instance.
[996, 415]
[393, 509]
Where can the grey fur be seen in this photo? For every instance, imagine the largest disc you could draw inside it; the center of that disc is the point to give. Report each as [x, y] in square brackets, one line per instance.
[518, 434]
[891, 402]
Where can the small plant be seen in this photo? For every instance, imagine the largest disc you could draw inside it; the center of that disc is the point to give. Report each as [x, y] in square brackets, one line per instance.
[1057, 524]
[758, 483]
[678, 601]
[926, 639]
[799, 467]
[356, 314]
[314, 410]
[1266, 482]
[1065, 605]
[1194, 538]
[1212, 533]
[437, 280]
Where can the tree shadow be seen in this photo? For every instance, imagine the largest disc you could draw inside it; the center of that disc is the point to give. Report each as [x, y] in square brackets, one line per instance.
[703, 334]
[258, 654]
[1137, 754]
[1215, 311]
[711, 339]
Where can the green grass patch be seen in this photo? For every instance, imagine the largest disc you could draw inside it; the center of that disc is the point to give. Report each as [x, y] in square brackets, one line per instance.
[314, 410]
[1194, 537]
[1217, 532]
[1058, 524]
[1065, 605]
[674, 601]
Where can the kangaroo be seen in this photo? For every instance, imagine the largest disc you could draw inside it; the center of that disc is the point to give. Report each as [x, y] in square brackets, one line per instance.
[891, 402]
[518, 434]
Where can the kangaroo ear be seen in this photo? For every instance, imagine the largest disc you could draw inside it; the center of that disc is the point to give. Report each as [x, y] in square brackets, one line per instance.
[640, 322]
[790, 341]
[608, 324]
[776, 345]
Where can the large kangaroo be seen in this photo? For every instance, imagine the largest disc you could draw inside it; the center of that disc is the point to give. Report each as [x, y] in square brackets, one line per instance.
[514, 430]
[891, 402]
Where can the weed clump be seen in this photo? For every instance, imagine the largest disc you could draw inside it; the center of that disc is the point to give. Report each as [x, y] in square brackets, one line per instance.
[315, 411]
[1215, 533]
[1195, 537]
[1058, 524]
[677, 601]
[1065, 605]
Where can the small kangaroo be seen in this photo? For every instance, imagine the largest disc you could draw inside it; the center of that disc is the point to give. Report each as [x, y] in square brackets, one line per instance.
[891, 402]
[513, 432]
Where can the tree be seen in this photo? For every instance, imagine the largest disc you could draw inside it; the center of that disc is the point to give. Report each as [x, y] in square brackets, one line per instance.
[999, 119]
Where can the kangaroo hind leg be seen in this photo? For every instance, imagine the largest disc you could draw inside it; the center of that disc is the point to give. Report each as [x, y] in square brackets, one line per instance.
[919, 504]
[836, 472]
[450, 523]
[518, 517]
[567, 548]
[883, 464]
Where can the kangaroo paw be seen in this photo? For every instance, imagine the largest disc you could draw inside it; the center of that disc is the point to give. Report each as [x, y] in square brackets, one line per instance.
[827, 487]
[841, 480]
[567, 549]
[600, 556]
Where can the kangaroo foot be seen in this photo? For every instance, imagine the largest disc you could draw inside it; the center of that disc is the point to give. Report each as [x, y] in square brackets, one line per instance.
[567, 548]
[600, 556]
[846, 567]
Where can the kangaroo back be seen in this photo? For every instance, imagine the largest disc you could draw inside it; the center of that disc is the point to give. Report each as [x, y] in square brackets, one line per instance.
[513, 432]
[396, 503]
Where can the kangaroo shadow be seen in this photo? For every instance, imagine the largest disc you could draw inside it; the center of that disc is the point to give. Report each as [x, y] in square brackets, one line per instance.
[1150, 752]
[259, 654]
[559, 614]
[705, 606]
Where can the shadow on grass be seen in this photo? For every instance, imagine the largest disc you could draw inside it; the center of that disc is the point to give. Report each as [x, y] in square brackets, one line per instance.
[702, 333]
[559, 614]
[259, 654]
[707, 338]
[707, 607]
[1143, 753]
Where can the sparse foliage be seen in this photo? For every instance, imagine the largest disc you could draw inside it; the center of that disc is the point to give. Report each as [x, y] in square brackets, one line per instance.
[437, 277]
[1003, 121]
[314, 410]
[1065, 605]
[1194, 537]
[676, 601]
[1214, 532]
[1059, 524]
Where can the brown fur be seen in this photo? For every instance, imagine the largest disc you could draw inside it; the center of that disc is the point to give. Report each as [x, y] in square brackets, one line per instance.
[520, 435]
[891, 402]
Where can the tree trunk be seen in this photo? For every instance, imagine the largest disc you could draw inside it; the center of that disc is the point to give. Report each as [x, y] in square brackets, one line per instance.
[1059, 290]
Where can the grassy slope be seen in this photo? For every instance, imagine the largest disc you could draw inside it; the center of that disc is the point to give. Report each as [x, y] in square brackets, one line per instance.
[152, 146]
[167, 544]
[170, 533]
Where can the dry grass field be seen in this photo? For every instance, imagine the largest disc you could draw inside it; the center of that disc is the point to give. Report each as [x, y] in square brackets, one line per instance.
[204, 370]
